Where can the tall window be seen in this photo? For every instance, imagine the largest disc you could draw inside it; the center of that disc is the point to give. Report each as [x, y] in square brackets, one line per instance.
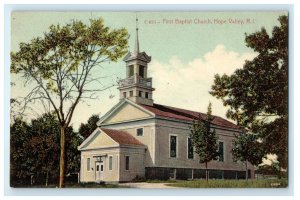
[173, 146]
[146, 95]
[127, 162]
[190, 149]
[141, 71]
[110, 162]
[131, 70]
[140, 132]
[140, 93]
[221, 151]
[131, 93]
[88, 164]
[124, 94]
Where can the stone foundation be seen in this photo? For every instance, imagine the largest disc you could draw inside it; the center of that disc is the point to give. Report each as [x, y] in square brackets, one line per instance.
[163, 173]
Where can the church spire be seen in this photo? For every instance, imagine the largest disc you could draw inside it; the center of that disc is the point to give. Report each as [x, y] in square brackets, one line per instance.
[137, 45]
[137, 86]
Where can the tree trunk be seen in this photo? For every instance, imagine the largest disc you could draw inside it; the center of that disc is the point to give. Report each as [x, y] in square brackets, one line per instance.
[47, 176]
[206, 172]
[246, 170]
[62, 157]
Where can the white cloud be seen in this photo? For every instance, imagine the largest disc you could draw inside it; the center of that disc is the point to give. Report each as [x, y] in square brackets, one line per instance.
[270, 158]
[186, 85]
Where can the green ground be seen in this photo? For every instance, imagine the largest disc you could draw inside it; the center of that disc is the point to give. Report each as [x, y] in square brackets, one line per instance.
[74, 185]
[271, 183]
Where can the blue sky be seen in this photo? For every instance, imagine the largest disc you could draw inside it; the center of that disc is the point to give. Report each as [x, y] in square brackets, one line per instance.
[185, 53]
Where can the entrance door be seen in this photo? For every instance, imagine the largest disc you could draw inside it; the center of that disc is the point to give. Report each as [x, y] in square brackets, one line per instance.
[99, 171]
[97, 175]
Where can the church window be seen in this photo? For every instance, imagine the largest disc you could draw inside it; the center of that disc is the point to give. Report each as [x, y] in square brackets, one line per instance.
[127, 162]
[221, 151]
[131, 70]
[140, 132]
[173, 146]
[110, 162]
[88, 164]
[190, 149]
[141, 71]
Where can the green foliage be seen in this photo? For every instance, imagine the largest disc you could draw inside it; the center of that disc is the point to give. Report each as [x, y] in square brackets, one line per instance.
[204, 139]
[257, 94]
[43, 145]
[245, 147]
[61, 63]
[273, 169]
[35, 150]
[86, 129]
[20, 156]
[68, 47]
[73, 140]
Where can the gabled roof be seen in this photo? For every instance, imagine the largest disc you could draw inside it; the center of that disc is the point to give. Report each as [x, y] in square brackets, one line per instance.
[140, 56]
[119, 106]
[188, 115]
[122, 137]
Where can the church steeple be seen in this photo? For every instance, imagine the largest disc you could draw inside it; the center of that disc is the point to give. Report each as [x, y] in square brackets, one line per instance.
[137, 86]
[137, 45]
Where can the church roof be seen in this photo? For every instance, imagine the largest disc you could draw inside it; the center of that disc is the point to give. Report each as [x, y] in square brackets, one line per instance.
[188, 115]
[138, 56]
[122, 137]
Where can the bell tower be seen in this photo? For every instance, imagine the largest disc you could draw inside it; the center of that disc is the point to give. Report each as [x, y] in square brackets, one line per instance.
[137, 86]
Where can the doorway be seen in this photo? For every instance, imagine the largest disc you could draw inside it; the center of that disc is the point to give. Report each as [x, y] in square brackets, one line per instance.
[99, 166]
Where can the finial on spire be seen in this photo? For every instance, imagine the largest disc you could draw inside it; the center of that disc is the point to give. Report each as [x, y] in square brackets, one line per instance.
[137, 46]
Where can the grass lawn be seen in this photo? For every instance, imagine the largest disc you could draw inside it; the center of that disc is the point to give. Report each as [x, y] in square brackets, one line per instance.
[75, 185]
[271, 183]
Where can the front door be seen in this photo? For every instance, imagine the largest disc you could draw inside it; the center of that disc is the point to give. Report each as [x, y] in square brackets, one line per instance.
[99, 171]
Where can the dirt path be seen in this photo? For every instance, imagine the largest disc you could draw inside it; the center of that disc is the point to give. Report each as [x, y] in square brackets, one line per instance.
[146, 185]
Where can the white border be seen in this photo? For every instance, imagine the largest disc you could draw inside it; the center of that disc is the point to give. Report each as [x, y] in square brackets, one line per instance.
[264, 193]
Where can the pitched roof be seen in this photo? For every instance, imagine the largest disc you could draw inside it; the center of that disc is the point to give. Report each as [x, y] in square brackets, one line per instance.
[122, 137]
[140, 56]
[188, 115]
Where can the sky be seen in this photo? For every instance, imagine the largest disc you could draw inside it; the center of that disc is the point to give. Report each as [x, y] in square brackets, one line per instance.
[187, 50]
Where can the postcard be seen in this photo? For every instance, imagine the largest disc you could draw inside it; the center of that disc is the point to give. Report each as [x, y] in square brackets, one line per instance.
[149, 99]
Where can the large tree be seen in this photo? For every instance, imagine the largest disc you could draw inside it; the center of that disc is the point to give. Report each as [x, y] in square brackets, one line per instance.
[246, 148]
[257, 94]
[62, 65]
[204, 139]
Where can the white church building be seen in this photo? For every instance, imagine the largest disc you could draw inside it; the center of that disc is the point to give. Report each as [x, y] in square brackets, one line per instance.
[138, 138]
